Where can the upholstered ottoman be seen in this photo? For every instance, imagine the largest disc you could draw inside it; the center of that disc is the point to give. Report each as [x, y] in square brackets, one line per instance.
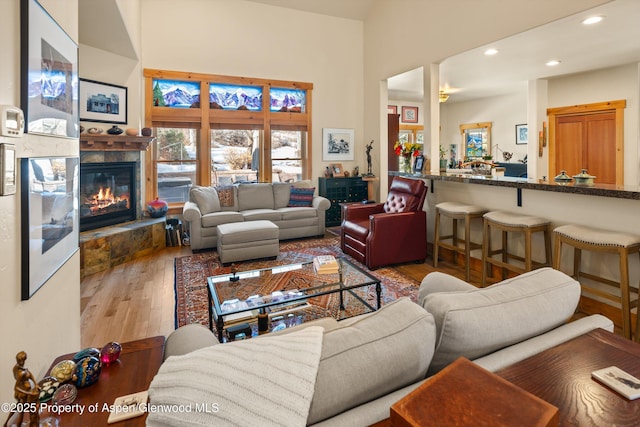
[240, 241]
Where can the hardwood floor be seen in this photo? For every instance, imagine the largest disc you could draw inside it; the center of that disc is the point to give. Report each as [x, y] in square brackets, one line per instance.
[136, 300]
[131, 301]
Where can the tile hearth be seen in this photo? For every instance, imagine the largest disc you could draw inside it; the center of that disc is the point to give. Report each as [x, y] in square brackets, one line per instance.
[103, 248]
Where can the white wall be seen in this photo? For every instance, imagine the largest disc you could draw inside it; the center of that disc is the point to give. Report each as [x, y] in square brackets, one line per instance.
[402, 35]
[504, 112]
[606, 85]
[239, 38]
[48, 324]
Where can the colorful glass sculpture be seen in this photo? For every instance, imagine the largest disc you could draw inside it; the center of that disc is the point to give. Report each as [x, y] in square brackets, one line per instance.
[87, 371]
[110, 352]
[63, 370]
[65, 395]
[47, 386]
[86, 352]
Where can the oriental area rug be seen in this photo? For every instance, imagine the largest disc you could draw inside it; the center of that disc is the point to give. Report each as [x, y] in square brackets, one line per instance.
[191, 274]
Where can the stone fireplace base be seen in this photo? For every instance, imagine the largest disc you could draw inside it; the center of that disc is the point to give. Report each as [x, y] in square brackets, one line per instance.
[103, 248]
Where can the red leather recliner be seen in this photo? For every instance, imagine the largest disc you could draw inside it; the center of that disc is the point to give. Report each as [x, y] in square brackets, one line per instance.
[387, 233]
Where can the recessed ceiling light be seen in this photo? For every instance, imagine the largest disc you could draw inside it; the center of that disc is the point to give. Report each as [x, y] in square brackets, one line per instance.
[552, 63]
[592, 20]
[490, 51]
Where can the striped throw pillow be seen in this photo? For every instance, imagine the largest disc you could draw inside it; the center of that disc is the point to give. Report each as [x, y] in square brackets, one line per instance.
[301, 197]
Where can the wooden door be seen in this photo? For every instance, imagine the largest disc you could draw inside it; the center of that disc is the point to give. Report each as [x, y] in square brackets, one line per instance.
[588, 136]
[393, 123]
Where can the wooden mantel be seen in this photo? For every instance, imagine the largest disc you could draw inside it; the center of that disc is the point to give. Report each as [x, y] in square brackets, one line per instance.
[106, 142]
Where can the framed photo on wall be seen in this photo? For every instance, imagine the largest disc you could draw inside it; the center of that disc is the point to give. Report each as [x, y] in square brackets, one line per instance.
[410, 114]
[50, 227]
[49, 74]
[337, 144]
[102, 102]
[392, 109]
[522, 136]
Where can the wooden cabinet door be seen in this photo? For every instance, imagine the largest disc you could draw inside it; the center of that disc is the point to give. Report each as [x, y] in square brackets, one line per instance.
[587, 141]
[393, 130]
[601, 147]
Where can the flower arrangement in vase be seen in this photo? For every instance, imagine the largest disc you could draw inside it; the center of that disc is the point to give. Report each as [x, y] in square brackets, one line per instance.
[407, 151]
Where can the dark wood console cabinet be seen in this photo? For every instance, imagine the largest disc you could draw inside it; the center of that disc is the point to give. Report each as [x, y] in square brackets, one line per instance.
[341, 190]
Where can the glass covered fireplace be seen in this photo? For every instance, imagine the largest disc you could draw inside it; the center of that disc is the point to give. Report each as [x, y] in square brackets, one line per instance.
[107, 194]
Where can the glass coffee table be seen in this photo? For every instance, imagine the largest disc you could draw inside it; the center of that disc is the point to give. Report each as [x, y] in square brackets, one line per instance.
[243, 296]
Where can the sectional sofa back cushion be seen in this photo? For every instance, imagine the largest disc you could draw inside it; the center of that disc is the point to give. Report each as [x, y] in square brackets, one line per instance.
[206, 198]
[372, 356]
[255, 196]
[478, 322]
[281, 192]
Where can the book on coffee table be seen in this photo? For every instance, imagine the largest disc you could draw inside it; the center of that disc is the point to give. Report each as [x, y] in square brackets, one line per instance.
[325, 264]
[619, 380]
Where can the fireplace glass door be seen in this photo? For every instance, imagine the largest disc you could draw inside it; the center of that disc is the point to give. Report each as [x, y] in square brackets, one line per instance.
[107, 194]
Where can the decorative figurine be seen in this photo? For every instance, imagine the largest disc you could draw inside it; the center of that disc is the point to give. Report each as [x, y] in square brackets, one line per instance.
[114, 130]
[356, 171]
[369, 148]
[26, 393]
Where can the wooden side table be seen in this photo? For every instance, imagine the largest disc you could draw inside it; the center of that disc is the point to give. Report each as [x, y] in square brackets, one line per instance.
[561, 375]
[371, 191]
[138, 364]
[464, 394]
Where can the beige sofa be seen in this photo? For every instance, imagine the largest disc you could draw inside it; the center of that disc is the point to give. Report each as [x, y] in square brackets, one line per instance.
[209, 207]
[369, 362]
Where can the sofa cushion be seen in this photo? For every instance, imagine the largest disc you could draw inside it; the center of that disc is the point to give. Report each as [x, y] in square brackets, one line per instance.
[264, 214]
[372, 356]
[478, 322]
[281, 192]
[255, 196]
[305, 183]
[297, 213]
[216, 218]
[206, 198]
[301, 197]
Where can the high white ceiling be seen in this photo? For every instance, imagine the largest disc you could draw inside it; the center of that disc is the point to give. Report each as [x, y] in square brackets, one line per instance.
[522, 57]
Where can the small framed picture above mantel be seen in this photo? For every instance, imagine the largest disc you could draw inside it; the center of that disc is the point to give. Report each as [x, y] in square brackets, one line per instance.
[102, 102]
[409, 114]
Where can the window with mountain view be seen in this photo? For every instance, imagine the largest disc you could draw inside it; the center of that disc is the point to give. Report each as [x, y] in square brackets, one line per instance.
[222, 140]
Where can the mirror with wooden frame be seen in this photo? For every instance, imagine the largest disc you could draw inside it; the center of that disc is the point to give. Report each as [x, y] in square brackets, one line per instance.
[476, 140]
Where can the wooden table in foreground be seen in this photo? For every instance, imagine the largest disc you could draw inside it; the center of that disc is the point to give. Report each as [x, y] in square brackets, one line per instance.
[138, 364]
[562, 377]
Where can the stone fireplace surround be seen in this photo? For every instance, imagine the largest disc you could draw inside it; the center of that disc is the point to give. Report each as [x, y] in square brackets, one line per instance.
[106, 247]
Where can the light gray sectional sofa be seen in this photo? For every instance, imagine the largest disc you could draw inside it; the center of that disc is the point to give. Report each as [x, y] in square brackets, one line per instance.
[371, 361]
[209, 207]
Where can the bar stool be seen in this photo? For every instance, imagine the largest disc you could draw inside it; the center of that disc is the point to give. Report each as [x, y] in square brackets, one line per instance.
[456, 211]
[508, 222]
[595, 240]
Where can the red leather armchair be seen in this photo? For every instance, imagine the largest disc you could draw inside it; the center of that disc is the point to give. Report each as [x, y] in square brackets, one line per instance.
[387, 233]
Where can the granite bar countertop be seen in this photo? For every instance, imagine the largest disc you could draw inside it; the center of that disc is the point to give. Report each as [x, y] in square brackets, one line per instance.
[603, 190]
